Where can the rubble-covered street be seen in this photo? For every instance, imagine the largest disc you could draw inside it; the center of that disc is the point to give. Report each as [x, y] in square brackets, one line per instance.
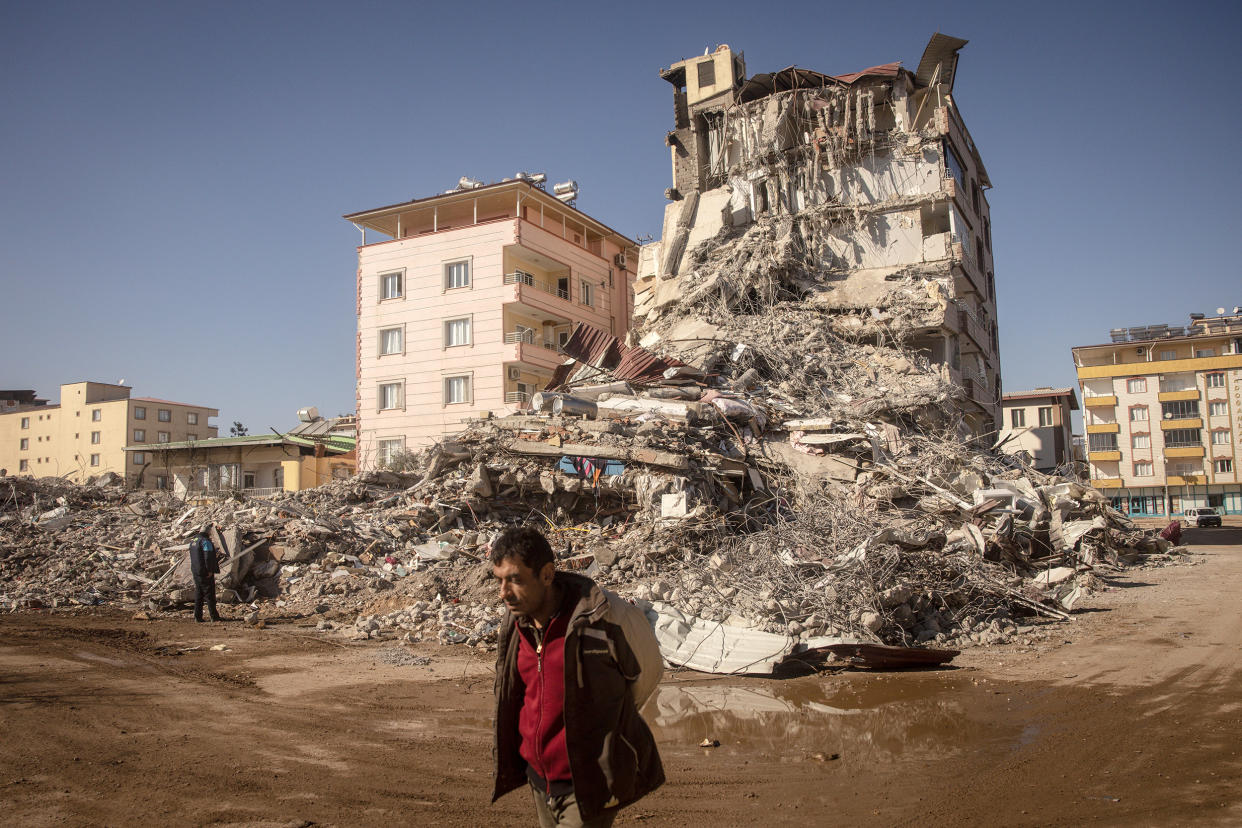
[1125, 715]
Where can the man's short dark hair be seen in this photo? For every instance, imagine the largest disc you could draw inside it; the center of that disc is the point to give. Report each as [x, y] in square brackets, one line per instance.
[524, 543]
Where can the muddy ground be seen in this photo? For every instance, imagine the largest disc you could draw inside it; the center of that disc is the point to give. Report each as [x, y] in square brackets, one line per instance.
[1129, 715]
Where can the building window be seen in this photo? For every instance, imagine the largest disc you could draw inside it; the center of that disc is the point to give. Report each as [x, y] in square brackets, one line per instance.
[707, 73]
[25, 422]
[588, 293]
[1219, 409]
[96, 415]
[388, 449]
[94, 438]
[390, 396]
[1101, 442]
[140, 458]
[390, 341]
[1017, 417]
[1179, 409]
[1136, 385]
[191, 437]
[94, 459]
[1140, 441]
[140, 412]
[1045, 416]
[457, 275]
[161, 481]
[163, 436]
[1138, 414]
[456, 390]
[1216, 379]
[1220, 438]
[24, 445]
[191, 418]
[390, 285]
[953, 165]
[140, 435]
[248, 480]
[1143, 469]
[1204, 352]
[164, 415]
[457, 332]
[1182, 438]
[1168, 355]
[23, 465]
[1224, 465]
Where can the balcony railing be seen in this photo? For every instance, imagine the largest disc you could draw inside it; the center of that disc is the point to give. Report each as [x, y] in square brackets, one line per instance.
[516, 397]
[519, 277]
[528, 338]
[202, 494]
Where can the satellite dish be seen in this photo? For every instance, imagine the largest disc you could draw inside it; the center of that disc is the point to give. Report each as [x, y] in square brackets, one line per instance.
[1220, 311]
[121, 381]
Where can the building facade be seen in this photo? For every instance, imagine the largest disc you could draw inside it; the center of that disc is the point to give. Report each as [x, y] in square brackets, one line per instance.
[1039, 424]
[86, 433]
[463, 307]
[881, 182]
[1163, 413]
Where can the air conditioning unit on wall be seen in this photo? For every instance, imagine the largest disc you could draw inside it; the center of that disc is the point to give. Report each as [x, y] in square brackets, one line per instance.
[515, 373]
[619, 260]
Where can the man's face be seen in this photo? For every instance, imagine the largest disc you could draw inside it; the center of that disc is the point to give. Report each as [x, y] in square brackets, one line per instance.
[522, 589]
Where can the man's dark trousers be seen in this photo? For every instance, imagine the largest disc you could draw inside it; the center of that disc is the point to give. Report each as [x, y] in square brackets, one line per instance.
[205, 587]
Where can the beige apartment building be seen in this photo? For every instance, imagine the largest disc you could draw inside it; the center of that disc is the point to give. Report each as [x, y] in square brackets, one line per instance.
[1039, 424]
[463, 306]
[87, 432]
[1163, 414]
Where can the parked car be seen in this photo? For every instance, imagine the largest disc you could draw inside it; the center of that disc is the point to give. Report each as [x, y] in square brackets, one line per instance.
[1207, 516]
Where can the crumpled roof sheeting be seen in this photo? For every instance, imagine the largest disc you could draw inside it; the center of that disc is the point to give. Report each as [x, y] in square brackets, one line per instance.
[607, 353]
[713, 647]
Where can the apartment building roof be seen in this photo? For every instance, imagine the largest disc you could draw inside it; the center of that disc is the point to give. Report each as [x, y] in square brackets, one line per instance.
[1044, 393]
[335, 442]
[464, 195]
[158, 401]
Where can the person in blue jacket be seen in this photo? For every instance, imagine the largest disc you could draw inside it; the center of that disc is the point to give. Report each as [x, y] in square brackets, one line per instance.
[204, 566]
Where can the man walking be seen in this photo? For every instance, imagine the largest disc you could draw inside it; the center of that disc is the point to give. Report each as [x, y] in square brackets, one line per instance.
[574, 664]
[204, 566]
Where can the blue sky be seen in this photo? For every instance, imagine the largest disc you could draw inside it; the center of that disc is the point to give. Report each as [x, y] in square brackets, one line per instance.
[173, 174]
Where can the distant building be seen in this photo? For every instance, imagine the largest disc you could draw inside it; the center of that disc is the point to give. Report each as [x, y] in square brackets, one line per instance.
[463, 307]
[1163, 415]
[315, 452]
[1038, 423]
[86, 433]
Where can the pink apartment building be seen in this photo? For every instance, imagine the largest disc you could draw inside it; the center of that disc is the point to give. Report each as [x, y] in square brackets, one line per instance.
[463, 306]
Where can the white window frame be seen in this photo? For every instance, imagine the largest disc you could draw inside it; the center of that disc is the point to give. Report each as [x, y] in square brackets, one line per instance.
[24, 444]
[140, 412]
[140, 458]
[164, 415]
[1017, 418]
[1136, 385]
[1140, 441]
[1136, 410]
[191, 418]
[25, 422]
[140, 435]
[96, 415]
[1041, 411]
[23, 465]
[587, 296]
[1218, 408]
[383, 284]
[1216, 379]
[399, 330]
[386, 447]
[96, 438]
[469, 320]
[94, 459]
[469, 395]
[1220, 438]
[400, 395]
[1223, 465]
[1144, 468]
[452, 280]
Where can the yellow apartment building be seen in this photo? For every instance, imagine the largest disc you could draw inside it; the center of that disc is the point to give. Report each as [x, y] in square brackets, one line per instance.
[1162, 410]
[463, 305]
[86, 433]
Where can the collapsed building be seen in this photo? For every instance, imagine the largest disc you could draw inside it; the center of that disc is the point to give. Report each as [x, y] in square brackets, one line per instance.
[860, 195]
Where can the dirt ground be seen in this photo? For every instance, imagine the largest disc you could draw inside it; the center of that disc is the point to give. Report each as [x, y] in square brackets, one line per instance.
[1129, 715]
